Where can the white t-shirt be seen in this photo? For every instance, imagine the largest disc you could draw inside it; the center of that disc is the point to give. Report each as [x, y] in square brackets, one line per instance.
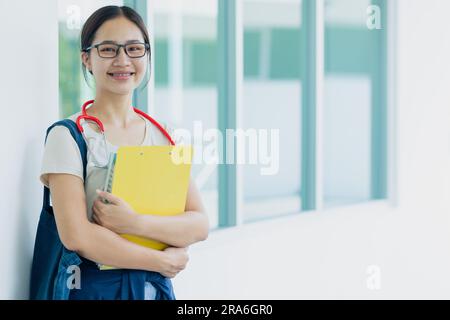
[62, 155]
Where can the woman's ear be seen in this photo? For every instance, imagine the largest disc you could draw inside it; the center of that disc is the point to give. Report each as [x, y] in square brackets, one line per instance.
[86, 61]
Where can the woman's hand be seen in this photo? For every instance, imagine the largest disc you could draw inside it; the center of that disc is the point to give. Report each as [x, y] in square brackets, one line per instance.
[117, 215]
[173, 261]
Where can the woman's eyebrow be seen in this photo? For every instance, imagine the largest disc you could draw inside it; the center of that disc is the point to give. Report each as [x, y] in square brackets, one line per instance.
[115, 42]
[134, 41]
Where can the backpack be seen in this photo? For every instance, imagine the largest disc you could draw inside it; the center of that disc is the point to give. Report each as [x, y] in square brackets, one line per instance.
[50, 258]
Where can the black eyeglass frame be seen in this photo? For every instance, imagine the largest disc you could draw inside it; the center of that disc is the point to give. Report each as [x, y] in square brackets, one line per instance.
[124, 46]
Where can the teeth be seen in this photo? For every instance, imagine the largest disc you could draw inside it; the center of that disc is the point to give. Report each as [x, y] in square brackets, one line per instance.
[121, 74]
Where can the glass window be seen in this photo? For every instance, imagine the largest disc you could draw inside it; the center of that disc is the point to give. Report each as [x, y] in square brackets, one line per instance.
[353, 130]
[272, 103]
[185, 35]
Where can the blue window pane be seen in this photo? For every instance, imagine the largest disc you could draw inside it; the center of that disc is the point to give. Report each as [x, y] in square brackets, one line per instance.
[353, 104]
[186, 89]
[272, 102]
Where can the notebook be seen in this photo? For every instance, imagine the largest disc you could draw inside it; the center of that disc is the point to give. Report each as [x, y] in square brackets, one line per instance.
[109, 174]
[152, 180]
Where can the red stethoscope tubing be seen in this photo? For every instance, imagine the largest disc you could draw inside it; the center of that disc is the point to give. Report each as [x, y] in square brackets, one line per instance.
[85, 116]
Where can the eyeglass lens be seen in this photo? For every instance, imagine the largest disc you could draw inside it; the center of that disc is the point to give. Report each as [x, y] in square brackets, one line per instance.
[133, 50]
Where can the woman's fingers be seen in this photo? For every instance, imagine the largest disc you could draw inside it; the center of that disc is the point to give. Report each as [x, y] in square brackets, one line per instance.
[108, 196]
[97, 203]
[95, 216]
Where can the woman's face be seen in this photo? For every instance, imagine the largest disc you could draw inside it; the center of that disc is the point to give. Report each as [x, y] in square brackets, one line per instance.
[109, 72]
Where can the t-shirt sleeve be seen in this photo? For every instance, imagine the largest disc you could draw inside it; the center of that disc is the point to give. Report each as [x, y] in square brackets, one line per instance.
[61, 155]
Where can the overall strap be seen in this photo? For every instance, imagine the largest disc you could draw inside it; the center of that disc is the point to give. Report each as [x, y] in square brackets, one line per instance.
[78, 137]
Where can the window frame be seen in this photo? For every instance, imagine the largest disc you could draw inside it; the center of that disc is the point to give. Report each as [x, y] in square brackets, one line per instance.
[140, 95]
[230, 37]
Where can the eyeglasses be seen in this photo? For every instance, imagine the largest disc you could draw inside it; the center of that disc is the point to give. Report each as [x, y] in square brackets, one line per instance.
[111, 50]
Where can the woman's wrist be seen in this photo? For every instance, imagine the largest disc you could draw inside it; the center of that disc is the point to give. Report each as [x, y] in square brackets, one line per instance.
[133, 224]
[140, 226]
[154, 260]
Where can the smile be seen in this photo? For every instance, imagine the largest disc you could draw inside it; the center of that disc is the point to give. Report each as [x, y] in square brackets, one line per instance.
[121, 76]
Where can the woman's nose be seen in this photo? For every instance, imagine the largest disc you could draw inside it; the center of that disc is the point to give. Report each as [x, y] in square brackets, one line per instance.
[122, 57]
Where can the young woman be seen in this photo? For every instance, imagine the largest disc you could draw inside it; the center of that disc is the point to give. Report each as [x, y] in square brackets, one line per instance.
[116, 52]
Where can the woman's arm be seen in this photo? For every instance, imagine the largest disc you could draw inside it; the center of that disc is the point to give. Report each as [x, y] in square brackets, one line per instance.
[99, 244]
[179, 231]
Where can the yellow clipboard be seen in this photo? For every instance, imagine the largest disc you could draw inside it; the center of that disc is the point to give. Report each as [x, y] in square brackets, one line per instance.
[152, 180]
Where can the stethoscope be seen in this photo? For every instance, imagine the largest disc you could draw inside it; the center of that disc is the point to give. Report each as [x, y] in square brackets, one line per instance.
[86, 117]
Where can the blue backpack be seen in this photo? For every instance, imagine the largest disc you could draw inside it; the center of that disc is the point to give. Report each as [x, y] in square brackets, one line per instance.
[52, 262]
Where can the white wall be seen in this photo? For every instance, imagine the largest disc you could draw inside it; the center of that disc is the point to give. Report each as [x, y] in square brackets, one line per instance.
[327, 254]
[29, 102]
[314, 255]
